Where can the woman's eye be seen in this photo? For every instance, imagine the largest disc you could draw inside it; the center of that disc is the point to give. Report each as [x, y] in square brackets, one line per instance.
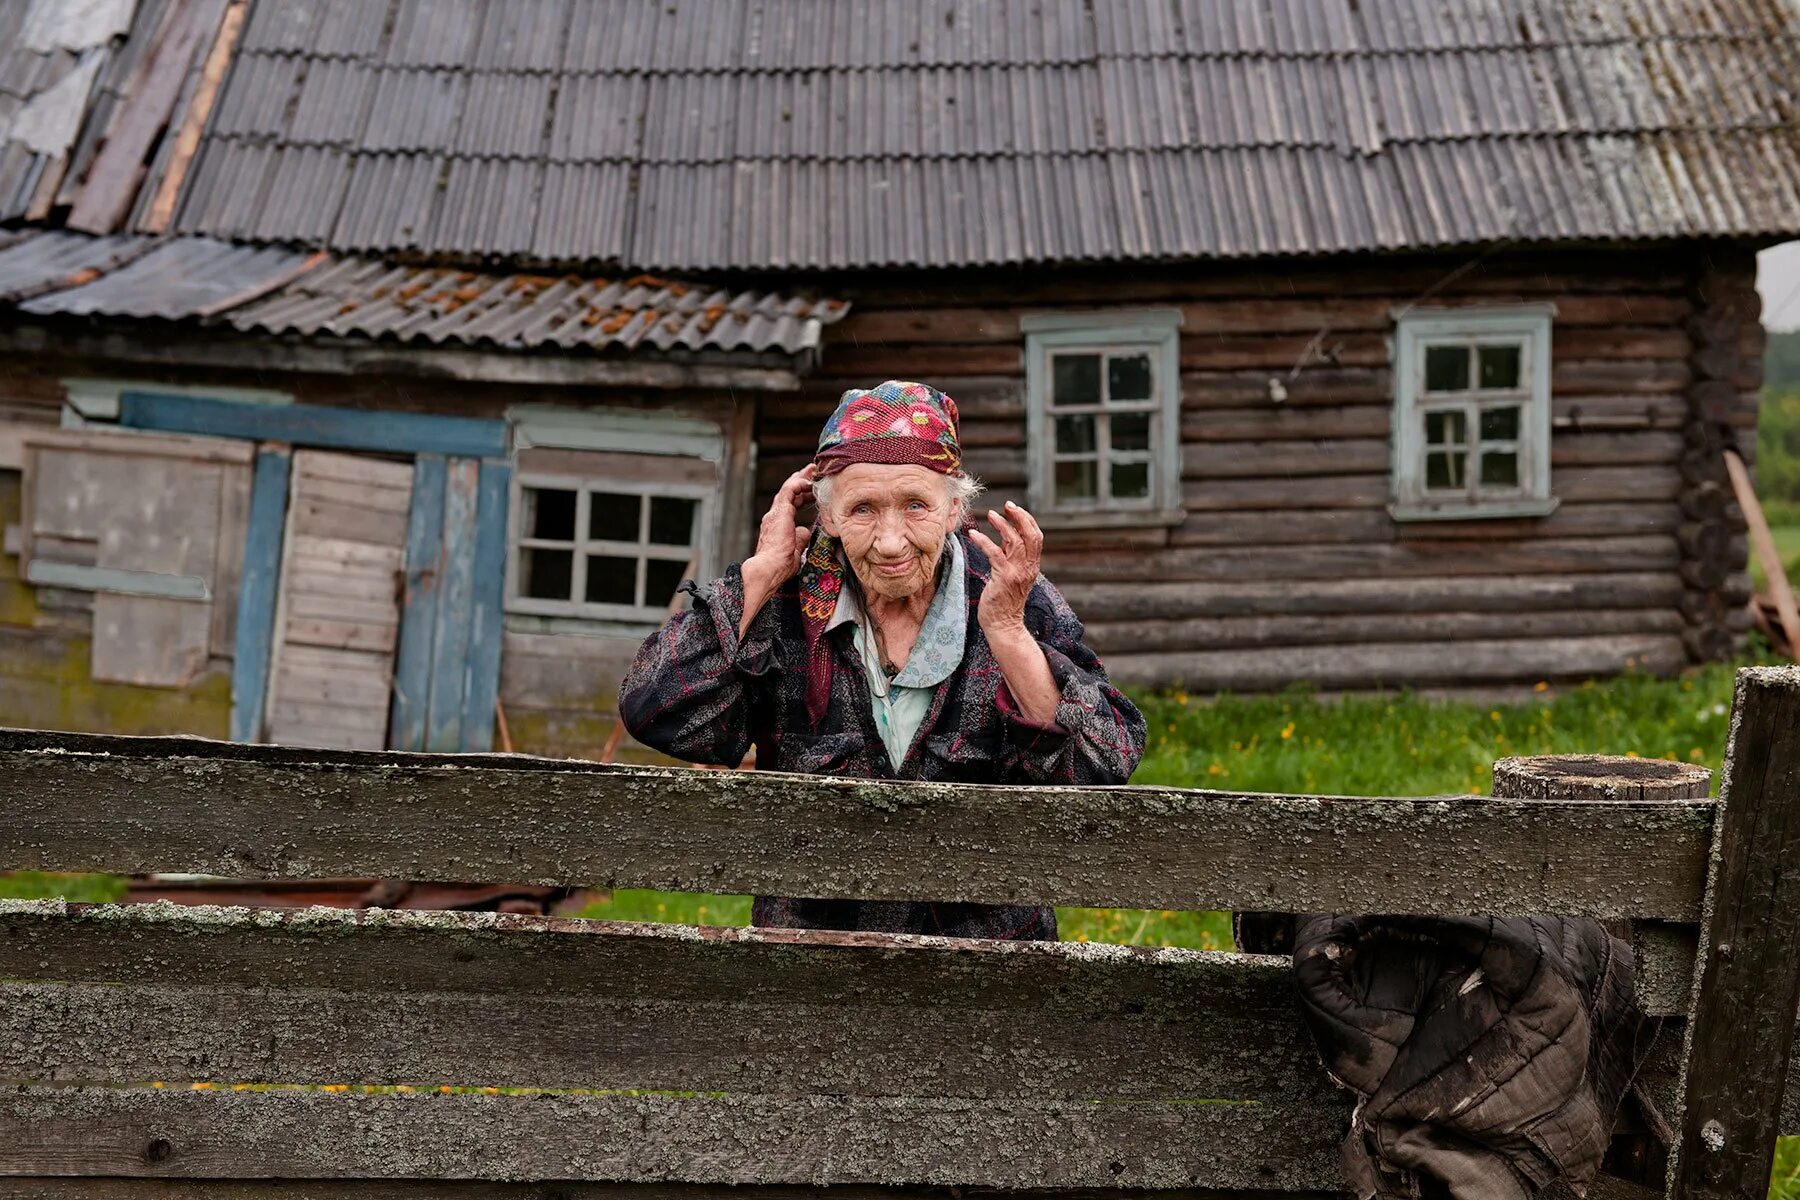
[916, 506]
[862, 510]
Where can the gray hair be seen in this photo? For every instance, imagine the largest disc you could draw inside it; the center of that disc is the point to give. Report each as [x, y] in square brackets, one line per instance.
[963, 490]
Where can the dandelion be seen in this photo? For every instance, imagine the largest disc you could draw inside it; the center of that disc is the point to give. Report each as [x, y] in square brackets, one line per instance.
[490, 1091]
[1494, 715]
[1696, 754]
[1287, 731]
[158, 1083]
[1631, 754]
[1542, 685]
[201, 1087]
[445, 1089]
[1215, 770]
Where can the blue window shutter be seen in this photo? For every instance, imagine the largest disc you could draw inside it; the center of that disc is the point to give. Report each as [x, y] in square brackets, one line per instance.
[486, 630]
[418, 611]
[256, 593]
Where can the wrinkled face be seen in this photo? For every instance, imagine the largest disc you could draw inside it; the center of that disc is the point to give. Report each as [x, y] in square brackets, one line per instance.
[892, 521]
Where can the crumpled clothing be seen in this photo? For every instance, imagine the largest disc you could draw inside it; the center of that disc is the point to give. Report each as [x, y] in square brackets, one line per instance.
[1489, 1055]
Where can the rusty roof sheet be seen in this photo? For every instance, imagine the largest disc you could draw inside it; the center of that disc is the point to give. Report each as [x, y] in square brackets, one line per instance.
[276, 290]
[761, 135]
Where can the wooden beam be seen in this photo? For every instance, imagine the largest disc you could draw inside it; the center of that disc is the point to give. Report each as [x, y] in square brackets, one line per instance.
[477, 999]
[81, 341]
[419, 604]
[80, 802]
[49, 1187]
[767, 1139]
[1747, 983]
[187, 136]
[487, 607]
[117, 580]
[315, 425]
[1764, 541]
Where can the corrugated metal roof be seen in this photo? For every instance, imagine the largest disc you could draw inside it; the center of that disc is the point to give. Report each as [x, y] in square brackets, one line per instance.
[281, 291]
[825, 134]
[34, 263]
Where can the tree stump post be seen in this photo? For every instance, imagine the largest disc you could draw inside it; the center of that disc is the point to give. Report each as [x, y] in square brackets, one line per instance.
[1639, 1151]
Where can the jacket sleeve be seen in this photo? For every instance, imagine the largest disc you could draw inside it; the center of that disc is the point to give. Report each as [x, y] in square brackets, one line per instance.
[692, 689]
[1098, 735]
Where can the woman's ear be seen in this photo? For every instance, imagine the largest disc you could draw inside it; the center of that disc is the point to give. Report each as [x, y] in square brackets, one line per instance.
[827, 520]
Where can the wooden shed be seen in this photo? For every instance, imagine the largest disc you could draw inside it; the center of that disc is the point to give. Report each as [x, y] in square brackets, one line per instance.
[1367, 343]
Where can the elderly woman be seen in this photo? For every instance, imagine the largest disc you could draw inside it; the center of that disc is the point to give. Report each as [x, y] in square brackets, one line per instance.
[891, 642]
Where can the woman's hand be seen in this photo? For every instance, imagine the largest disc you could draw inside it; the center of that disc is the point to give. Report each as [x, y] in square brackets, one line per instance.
[1013, 569]
[780, 543]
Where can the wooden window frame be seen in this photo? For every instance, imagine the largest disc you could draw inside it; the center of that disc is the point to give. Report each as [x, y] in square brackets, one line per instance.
[1154, 332]
[1529, 327]
[584, 547]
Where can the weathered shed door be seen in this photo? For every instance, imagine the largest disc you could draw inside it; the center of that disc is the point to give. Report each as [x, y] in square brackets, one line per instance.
[338, 612]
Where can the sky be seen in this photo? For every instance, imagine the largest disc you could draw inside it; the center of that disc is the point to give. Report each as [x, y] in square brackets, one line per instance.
[1778, 279]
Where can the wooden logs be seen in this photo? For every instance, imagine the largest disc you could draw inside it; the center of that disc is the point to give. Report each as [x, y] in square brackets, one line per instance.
[1598, 777]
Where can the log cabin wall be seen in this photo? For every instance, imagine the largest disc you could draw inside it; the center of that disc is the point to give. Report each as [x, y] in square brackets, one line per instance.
[1288, 565]
[558, 687]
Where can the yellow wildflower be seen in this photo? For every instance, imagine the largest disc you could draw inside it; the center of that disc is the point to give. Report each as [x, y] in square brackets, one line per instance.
[1287, 731]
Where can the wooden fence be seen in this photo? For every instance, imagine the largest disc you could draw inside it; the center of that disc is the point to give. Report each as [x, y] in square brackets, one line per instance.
[157, 1050]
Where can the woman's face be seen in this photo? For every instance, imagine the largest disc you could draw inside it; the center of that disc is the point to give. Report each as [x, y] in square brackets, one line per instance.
[892, 521]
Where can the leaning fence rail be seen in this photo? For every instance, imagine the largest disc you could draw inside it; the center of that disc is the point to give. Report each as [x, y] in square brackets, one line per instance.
[629, 1056]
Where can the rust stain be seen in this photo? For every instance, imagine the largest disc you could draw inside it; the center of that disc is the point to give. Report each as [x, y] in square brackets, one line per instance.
[463, 295]
[348, 306]
[646, 281]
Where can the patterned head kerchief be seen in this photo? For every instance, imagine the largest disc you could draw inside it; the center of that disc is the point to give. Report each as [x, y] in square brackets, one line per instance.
[895, 424]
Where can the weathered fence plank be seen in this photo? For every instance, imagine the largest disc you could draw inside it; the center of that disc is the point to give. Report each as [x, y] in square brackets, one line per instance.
[1748, 977]
[814, 1140]
[145, 805]
[46, 1187]
[232, 995]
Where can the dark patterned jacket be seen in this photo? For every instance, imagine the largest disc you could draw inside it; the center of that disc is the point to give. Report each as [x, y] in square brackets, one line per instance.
[697, 693]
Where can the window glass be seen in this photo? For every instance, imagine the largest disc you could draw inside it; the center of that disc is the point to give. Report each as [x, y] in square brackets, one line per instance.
[1130, 481]
[546, 574]
[1500, 424]
[1501, 469]
[1446, 368]
[1075, 435]
[1131, 431]
[1445, 472]
[550, 514]
[672, 520]
[1499, 366]
[1445, 428]
[1128, 377]
[661, 577]
[611, 579]
[614, 516]
[1075, 379]
[1076, 480]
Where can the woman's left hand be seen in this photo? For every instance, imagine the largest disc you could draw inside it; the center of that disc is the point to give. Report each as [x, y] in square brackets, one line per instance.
[1013, 568]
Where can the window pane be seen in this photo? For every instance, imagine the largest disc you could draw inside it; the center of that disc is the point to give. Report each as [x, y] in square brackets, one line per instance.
[1446, 472]
[1131, 431]
[612, 580]
[1128, 377]
[546, 574]
[661, 577]
[615, 517]
[1500, 424]
[1499, 366]
[1075, 379]
[550, 514]
[1075, 481]
[1130, 481]
[1446, 368]
[1500, 470]
[672, 521]
[1445, 428]
[1074, 435]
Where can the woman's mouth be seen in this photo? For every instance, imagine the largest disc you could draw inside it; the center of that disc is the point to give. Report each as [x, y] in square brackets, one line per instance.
[896, 568]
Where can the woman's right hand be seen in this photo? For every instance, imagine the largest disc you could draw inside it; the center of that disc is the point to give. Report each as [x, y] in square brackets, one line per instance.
[780, 542]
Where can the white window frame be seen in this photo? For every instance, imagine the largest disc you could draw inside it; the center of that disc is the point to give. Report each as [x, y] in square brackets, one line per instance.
[1151, 331]
[584, 547]
[1526, 325]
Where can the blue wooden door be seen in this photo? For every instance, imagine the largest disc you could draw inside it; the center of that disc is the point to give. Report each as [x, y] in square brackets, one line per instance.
[447, 667]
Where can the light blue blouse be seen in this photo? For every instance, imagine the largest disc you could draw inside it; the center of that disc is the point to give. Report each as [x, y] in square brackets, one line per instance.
[899, 706]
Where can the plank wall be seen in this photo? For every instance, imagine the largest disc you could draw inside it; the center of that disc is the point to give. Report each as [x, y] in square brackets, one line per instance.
[1288, 566]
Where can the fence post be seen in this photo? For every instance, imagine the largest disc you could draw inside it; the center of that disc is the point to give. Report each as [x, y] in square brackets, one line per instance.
[1747, 973]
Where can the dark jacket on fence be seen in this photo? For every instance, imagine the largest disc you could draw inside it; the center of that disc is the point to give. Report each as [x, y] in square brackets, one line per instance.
[700, 694]
[1489, 1055]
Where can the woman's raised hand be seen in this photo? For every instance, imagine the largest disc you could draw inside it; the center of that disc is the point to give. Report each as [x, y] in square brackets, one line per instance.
[1012, 568]
[780, 542]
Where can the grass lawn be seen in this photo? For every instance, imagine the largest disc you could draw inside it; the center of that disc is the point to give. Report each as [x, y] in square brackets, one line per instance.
[1787, 547]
